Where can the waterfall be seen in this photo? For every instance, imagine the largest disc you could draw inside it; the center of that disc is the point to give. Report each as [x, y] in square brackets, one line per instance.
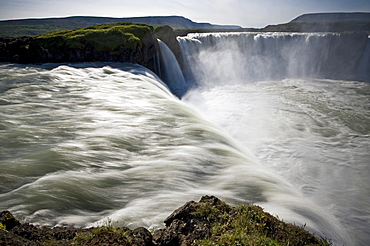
[171, 72]
[228, 57]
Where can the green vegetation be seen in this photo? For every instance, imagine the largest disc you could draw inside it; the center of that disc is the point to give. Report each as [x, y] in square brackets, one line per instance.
[104, 37]
[2, 227]
[250, 225]
[94, 235]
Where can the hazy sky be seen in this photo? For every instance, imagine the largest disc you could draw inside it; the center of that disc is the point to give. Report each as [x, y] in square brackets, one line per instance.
[246, 13]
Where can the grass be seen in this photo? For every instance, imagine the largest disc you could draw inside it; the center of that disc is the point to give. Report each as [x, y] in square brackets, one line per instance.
[104, 37]
[106, 231]
[93, 235]
[250, 225]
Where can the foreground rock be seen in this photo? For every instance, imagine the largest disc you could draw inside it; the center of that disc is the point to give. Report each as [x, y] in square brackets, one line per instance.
[207, 222]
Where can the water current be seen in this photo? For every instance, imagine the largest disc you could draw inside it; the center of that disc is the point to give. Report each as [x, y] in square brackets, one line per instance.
[83, 144]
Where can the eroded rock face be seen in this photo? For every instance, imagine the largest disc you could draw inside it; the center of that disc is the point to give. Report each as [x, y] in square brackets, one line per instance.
[29, 50]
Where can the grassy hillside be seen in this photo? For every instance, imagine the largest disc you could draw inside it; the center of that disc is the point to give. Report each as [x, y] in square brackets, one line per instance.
[104, 37]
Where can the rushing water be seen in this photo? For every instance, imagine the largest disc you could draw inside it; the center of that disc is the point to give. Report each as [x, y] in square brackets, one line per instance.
[81, 144]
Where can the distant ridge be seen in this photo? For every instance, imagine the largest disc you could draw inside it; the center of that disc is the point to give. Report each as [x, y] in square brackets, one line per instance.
[333, 17]
[35, 27]
[325, 22]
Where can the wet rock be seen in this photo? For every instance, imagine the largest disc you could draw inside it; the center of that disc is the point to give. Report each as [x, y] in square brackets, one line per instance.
[142, 237]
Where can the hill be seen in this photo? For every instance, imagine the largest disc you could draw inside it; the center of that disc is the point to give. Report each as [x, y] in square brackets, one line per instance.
[325, 22]
[35, 27]
[333, 17]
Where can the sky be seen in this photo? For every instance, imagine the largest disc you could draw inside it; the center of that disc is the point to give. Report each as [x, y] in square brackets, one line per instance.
[245, 13]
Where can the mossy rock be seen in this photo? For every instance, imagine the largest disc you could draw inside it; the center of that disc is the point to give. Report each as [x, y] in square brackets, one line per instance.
[2, 227]
[8, 221]
[212, 222]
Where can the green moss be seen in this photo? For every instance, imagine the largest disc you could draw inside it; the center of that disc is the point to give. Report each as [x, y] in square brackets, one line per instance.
[103, 38]
[250, 225]
[93, 235]
[207, 212]
[2, 227]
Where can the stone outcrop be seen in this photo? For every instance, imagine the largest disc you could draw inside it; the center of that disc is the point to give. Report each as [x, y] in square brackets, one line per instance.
[183, 226]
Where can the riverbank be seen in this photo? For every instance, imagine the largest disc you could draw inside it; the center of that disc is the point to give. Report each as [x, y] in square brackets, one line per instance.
[207, 222]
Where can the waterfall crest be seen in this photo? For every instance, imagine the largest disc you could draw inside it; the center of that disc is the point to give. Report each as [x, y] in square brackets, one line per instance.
[228, 57]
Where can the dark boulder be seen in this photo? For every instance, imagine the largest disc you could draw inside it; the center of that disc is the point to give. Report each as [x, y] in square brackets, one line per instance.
[186, 225]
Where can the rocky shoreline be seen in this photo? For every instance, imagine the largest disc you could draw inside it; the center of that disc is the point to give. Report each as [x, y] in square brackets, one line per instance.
[207, 222]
